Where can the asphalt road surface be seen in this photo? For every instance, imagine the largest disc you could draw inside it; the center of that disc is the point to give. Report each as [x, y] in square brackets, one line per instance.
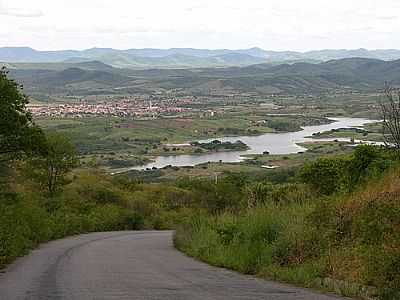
[130, 265]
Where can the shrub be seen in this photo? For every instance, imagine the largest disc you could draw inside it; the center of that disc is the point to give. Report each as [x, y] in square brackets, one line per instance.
[366, 162]
[23, 225]
[324, 175]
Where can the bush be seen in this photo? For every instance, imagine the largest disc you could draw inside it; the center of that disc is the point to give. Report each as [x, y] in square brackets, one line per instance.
[227, 194]
[23, 225]
[365, 163]
[325, 175]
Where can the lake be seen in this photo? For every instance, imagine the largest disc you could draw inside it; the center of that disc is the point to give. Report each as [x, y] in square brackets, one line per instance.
[274, 143]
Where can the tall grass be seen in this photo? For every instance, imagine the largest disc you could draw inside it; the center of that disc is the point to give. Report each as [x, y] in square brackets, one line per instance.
[351, 243]
[250, 242]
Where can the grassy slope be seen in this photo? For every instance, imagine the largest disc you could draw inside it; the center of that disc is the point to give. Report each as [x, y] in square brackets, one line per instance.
[342, 244]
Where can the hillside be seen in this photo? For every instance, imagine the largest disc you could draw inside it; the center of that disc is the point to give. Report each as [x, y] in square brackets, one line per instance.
[345, 241]
[345, 74]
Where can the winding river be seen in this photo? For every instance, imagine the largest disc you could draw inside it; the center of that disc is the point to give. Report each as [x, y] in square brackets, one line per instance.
[274, 143]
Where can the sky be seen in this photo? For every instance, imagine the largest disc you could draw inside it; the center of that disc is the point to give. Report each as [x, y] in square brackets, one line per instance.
[298, 25]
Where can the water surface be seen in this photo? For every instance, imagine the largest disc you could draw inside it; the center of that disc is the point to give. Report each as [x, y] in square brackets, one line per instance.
[274, 143]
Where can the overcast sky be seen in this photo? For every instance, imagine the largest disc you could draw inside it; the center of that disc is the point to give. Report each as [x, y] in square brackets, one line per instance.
[269, 24]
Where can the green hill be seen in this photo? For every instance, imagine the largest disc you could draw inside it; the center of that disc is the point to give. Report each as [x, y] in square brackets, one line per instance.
[361, 74]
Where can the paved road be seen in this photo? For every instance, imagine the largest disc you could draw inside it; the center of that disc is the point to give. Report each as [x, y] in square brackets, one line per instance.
[130, 265]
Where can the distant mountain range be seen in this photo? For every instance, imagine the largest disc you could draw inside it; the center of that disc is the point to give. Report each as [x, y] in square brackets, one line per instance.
[95, 77]
[184, 57]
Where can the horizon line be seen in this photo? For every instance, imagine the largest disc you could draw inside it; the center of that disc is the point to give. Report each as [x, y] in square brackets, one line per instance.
[205, 49]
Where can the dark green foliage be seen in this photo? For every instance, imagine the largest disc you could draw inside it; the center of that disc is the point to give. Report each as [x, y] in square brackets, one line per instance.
[92, 202]
[283, 125]
[17, 131]
[324, 175]
[230, 131]
[332, 175]
[225, 194]
[23, 225]
[217, 145]
[18, 135]
[367, 162]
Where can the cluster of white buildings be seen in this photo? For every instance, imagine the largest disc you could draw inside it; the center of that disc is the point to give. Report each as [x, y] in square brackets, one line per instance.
[122, 108]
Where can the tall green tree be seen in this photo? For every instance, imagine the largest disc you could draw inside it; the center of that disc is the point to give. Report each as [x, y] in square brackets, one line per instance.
[51, 168]
[18, 133]
[19, 137]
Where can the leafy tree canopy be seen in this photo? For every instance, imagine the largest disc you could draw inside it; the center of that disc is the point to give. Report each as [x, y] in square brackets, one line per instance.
[17, 131]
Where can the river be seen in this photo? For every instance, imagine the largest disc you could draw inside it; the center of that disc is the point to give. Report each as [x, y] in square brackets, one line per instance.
[274, 143]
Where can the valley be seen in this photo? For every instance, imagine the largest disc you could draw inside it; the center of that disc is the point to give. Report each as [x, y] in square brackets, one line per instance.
[199, 150]
[274, 169]
[109, 135]
[124, 117]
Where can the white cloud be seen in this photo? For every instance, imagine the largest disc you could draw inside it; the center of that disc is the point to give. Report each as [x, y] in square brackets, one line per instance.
[6, 10]
[272, 24]
[21, 13]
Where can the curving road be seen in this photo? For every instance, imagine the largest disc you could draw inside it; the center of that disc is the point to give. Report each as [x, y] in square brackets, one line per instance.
[130, 265]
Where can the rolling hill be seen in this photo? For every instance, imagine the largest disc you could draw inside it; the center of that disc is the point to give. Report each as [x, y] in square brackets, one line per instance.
[184, 57]
[361, 74]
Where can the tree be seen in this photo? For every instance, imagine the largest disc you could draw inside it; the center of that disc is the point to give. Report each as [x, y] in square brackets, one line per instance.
[324, 175]
[366, 162]
[390, 114]
[18, 133]
[59, 158]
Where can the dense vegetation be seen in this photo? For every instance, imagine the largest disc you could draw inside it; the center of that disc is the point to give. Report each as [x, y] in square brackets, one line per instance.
[217, 145]
[336, 231]
[331, 223]
[90, 200]
[293, 123]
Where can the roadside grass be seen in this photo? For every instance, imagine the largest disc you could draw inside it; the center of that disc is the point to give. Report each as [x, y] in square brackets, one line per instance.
[91, 202]
[250, 242]
[347, 244]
